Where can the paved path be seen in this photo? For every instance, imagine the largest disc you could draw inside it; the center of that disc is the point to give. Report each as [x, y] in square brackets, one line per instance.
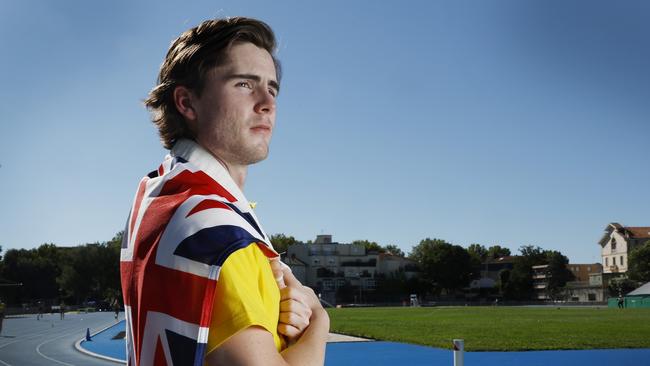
[336, 338]
[26, 341]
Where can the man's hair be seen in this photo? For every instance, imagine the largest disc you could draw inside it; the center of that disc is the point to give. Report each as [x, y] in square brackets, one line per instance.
[189, 59]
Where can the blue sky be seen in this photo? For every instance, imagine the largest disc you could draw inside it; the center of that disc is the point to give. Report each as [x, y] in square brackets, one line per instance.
[501, 122]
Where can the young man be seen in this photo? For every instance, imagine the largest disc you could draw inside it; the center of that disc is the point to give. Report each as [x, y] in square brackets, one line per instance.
[200, 279]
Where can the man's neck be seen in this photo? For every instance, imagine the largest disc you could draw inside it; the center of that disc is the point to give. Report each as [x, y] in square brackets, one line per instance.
[237, 172]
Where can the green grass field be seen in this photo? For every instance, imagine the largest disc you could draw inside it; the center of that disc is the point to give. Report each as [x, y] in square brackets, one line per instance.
[499, 328]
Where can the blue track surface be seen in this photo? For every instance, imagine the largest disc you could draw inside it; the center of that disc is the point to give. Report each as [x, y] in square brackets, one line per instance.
[390, 353]
[103, 344]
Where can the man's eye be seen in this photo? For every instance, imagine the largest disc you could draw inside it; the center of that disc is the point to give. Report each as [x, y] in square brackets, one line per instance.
[245, 84]
[273, 92]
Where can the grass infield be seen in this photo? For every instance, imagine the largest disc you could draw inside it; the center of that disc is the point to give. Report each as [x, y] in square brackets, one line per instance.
[499, 328]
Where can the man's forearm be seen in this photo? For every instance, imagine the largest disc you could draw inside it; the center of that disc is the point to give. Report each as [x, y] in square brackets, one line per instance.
[310, 348]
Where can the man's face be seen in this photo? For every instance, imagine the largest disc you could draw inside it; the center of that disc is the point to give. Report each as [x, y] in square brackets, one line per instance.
[236, 110]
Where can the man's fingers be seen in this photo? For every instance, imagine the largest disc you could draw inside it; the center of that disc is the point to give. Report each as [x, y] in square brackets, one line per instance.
[294, 320]
[297, 307]
[289, 278]
[288, 330]
[295, 293]
[276, 268]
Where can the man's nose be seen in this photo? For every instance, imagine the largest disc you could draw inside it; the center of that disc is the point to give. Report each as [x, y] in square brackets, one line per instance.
[265, 103]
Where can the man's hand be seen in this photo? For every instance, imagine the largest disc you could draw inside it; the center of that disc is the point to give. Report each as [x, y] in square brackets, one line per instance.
[297, 302]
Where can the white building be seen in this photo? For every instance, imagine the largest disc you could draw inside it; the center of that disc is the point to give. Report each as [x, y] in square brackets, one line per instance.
[616, 244]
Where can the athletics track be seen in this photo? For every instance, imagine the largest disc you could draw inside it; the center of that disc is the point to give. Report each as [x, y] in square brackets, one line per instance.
[392, 353]
[50, 341]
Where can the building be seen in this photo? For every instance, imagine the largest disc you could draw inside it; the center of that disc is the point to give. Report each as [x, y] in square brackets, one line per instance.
[540, 282]
[581, 272]
[492, 267]
[586, 287]
[490, 272]
[616, 244]
[327, 266]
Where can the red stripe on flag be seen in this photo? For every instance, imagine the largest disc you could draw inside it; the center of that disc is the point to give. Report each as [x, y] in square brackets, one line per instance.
[159, 358]
[205, 205]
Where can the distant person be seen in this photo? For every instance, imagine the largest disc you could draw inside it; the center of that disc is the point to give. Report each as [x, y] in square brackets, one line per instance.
[41, 309]
[200, 277]
[621, 302]
[62, 310]
[116, 308]
[2, 314]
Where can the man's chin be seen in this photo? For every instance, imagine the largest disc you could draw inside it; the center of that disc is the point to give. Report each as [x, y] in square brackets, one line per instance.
[257, 156]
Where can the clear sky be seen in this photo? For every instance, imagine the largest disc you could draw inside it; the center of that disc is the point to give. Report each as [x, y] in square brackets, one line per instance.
[491, 122]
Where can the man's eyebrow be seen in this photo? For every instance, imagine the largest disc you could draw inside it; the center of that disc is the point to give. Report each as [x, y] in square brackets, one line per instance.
[272, 83]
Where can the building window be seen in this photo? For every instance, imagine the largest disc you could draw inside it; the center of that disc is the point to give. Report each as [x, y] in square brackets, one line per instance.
[606, 264]
[588, 269]
[622, 261]
[613, 261]
[316, 261]
[591, 297]
[328, 285]
[613, 244]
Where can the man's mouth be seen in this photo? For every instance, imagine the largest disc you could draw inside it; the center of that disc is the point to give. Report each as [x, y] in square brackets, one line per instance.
[261, 128]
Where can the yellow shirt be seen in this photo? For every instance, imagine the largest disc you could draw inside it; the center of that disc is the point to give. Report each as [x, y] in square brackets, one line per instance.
[246, 295]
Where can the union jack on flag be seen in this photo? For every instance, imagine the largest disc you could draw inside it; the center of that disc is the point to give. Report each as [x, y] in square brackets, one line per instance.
[183, 225]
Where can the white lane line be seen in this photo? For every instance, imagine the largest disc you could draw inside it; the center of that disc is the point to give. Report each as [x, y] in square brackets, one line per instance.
[36, 335]
[28, 337]
[38, 349]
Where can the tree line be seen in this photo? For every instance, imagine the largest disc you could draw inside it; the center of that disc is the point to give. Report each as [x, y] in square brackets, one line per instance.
[91, 271]
[446, 270]
[52, 274]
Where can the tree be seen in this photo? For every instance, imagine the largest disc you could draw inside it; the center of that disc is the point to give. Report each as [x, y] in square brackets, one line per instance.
[394, 250]
[282, 242]
[519, 282]
[504, 277]
[478, 255]
[36, 269]
[519, 285]
[497, 251]
[54, 273]
[370, 246]
[91, 271]
[639, 263]
[446, 266]
[620, 286]
[558, 273]
[477, 251]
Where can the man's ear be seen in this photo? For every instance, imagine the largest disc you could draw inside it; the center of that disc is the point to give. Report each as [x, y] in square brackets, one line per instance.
[183, 100]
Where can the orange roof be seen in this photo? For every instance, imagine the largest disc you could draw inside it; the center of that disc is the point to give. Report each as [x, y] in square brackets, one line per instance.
[639, 232]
